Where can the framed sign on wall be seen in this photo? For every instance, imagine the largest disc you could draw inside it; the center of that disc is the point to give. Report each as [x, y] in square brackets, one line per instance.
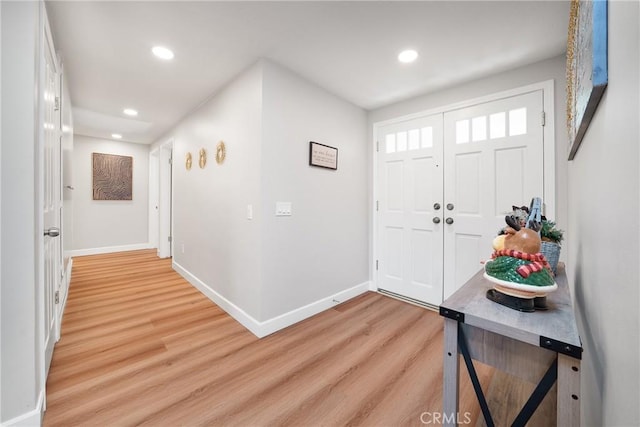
[323, 156]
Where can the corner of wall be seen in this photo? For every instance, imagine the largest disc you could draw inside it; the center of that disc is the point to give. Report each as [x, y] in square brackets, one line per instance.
[216, 243]
[321, 248]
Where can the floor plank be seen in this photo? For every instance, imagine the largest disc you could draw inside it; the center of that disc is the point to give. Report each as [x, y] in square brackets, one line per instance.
[141, 346]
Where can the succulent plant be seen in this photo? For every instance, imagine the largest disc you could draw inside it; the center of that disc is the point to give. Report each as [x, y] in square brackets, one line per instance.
[550, 233]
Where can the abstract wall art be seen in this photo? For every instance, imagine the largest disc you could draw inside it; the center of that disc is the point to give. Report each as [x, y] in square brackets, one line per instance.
[112, 177]
[587, 71]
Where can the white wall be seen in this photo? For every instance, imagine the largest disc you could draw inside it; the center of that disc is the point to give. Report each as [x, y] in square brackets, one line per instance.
[100, 224]
[221, 246]
[22, 359]
[322, 248]
[270, 267]
[603, 201]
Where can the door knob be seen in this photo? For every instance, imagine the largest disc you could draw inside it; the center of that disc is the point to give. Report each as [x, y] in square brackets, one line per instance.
[449, 220]
[436, 220]
[52, 232]
[450, 206]
[436, 206]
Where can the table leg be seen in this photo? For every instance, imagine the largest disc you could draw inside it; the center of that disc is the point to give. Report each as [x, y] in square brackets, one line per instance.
[451, 372]
[568, 391]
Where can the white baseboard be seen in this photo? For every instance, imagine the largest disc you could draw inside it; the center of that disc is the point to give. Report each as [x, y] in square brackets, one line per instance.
[233, 310]
[267, 327]
[29, 419]
[110, 249]
[299, 314]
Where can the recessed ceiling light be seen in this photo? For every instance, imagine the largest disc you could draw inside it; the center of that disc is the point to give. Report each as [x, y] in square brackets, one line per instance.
[116, 136]
[130, 112]
[162, 52]
[407, 56]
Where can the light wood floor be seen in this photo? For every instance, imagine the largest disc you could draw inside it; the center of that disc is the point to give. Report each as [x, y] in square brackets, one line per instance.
[140, 345]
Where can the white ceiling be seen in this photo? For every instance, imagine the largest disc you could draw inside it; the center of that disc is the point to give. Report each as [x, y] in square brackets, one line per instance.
[348, 48]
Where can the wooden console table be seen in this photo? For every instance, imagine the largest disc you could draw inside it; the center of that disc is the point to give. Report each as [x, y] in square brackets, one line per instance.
[539, 347]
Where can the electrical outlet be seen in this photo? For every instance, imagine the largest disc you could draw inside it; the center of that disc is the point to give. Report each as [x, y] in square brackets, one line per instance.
[249, 211]
[283, 208]
[182, 247]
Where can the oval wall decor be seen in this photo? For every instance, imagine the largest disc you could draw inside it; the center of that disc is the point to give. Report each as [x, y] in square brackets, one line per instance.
[221, 152]
[203, 158]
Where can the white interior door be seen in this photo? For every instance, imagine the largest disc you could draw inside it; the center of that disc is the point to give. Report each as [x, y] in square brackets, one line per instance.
[409, 193]
[493, 157]
[52, 198]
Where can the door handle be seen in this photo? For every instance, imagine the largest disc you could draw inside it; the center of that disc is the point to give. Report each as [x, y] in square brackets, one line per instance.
[436, 220]
[450, 206]
[449, 220]
[52, 232]
[436, 206]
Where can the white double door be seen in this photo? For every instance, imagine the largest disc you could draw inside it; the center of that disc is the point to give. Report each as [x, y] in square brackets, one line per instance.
[444, 184]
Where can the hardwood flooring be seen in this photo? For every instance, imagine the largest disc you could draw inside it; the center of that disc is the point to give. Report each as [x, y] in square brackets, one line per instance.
[141, 346]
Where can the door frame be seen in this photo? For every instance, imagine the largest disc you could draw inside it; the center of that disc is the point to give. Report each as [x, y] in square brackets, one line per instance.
[47, 47]
[165, 245]
[549, 149]
[154, 198]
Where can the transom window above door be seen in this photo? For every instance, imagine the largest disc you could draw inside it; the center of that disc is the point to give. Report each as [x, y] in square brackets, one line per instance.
[493, 126]
[409, 140]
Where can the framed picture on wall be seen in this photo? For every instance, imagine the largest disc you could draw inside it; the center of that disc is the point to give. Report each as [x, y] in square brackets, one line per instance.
[587, 74]
[112, 177]
[323, 156]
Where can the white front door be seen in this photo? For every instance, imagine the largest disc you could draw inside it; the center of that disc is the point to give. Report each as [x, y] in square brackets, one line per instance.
[410, 189]
[493, 156]
[445, 183]
[52, 198]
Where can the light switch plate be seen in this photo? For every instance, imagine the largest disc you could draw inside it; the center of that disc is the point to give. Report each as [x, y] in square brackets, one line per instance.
[283, 208]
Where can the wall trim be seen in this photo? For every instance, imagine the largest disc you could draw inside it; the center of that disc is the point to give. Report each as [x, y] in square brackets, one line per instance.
[31, 418]
[299, 314]
[267, 327]
[110, 249]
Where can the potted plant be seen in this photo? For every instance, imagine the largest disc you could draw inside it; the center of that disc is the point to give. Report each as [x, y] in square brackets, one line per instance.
[551, 238]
